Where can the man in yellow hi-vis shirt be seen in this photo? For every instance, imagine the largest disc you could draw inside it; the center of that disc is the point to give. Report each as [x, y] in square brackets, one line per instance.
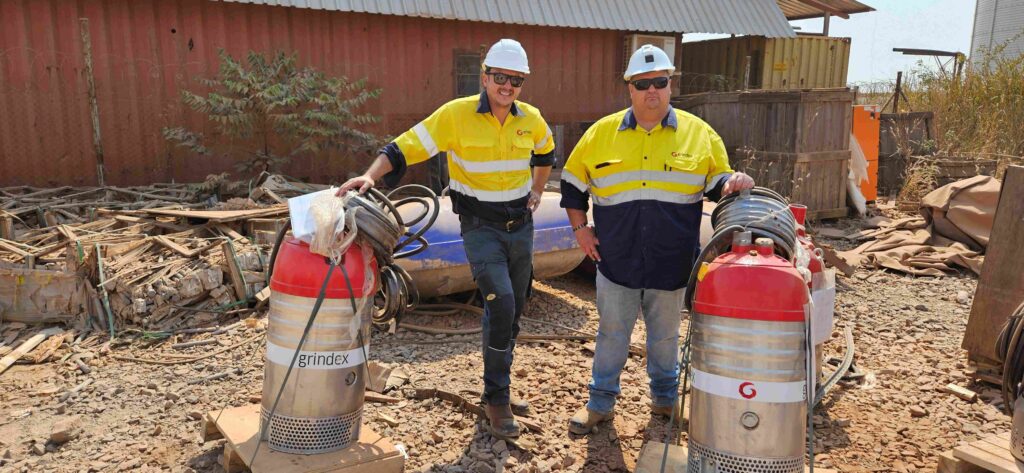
[647, 169]
[500, 153]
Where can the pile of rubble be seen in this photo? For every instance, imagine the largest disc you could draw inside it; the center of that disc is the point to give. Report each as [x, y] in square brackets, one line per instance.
[149, 257]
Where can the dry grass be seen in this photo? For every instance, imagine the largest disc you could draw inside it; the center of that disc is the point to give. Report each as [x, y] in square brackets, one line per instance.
[977, 115]
[921, 179]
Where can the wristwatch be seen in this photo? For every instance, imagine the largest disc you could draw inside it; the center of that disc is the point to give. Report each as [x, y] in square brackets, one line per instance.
[579, 227]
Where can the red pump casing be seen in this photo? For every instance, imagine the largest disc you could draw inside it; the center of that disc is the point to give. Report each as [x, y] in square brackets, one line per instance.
[749, 361]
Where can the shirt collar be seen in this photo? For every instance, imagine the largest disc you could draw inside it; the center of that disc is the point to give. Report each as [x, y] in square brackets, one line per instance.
[629, 121]
[485, 106]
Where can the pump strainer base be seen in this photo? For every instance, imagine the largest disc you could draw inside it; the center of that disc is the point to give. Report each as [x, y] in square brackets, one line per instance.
[306, 436]
[728, 463]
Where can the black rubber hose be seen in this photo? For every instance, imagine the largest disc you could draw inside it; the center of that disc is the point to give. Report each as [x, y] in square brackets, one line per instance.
[761, 211]
[419, 233]
[715, 246]
[1010, 348]
[277, 245]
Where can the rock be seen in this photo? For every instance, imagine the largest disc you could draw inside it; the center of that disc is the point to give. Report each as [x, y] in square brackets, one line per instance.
[66, 429]
[963, 297]
[921, 307]
[917, 411]
[156, 430]
[195, 415]
[568, 460]
[499, 447]
[211, 277]
[129, 464]
[37, 449]
[190, 286]
[7, 454]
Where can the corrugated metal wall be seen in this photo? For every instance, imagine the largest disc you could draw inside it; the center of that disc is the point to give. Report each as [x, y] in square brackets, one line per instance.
[146, 51]
[998, 24]
[805, 62]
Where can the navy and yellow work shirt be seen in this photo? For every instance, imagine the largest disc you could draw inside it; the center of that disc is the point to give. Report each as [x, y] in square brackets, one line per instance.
[489, 163]
[648, 189]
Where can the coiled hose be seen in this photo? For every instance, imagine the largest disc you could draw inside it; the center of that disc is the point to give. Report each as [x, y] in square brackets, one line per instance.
[382, 226]
[1010, 349]
[761, 211]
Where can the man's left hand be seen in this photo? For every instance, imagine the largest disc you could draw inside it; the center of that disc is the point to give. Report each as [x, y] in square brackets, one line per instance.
[737, 182]
[534, 201]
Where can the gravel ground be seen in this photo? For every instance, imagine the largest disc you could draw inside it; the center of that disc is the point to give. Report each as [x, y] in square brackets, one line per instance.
[142, 417]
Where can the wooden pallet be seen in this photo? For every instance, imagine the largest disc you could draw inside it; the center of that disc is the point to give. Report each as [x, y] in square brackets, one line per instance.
[990, 454]
[651, 454]
[240, 426]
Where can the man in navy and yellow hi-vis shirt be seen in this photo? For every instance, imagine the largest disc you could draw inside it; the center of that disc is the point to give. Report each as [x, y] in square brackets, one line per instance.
[647, 170]
[500, 153]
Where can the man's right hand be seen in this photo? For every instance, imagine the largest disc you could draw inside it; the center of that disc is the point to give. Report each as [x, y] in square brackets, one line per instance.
[588, 242]
[361, 184]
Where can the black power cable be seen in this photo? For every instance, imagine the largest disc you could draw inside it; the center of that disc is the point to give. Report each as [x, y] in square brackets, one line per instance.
[1010, 349]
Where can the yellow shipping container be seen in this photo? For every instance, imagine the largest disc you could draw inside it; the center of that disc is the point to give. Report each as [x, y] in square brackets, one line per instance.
[756, 62]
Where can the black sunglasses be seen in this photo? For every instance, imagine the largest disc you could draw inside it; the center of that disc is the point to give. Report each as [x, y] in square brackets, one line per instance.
[501, 78]
[644, 84]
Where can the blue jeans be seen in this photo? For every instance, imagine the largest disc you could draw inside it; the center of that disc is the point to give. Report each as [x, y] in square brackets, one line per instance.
[617, 308]
[502, 263]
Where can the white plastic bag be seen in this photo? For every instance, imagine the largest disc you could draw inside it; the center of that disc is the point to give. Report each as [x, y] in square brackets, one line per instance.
[303, 223]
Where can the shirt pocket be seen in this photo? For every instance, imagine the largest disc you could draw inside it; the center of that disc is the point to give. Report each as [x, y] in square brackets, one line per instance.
[522, 146]
[689, 166]
[604, 167]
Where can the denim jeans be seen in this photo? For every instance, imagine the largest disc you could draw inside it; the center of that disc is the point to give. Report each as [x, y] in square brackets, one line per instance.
[502, 264]
[617, 308]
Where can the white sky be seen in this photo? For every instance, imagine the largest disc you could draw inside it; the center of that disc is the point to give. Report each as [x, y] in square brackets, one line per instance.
[924, 24]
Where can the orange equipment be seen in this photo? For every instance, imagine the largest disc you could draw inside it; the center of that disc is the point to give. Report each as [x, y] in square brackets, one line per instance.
[866, 122]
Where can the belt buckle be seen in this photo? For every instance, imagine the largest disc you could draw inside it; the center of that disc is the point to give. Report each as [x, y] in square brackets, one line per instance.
[508, 225]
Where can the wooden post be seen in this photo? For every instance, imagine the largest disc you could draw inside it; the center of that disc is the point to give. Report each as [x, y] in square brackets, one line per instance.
[824, 27]
[896, 94]
[7, 228]
[94, 110]
[234, 271]
[746, 72]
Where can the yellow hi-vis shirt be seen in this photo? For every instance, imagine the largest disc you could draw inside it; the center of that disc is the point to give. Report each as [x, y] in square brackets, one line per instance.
[488, 162]
[647, 189]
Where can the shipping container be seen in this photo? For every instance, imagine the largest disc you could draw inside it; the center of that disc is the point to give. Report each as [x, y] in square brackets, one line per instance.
[756, 62]
[146, 52]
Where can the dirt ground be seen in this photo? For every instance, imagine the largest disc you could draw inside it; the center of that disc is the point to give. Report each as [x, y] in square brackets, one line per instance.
[143, 417]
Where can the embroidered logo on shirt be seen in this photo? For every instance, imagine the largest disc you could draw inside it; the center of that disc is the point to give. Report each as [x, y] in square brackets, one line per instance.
[523, 132]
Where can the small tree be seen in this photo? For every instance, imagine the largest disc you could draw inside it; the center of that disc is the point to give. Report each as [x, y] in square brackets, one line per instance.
[272, 110]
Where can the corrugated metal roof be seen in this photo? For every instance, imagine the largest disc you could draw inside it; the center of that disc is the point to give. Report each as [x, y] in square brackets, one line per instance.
[799, 10]
[753, 17]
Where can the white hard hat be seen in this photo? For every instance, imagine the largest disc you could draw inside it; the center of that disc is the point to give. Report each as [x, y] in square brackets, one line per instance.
[647, 59]
[508, 54]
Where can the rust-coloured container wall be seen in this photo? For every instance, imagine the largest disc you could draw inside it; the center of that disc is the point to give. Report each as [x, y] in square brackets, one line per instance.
[146, 51]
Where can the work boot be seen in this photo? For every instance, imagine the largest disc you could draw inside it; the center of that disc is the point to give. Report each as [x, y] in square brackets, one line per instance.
[584, 420]
[500, 421]
[666, 411]
[520, 407]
